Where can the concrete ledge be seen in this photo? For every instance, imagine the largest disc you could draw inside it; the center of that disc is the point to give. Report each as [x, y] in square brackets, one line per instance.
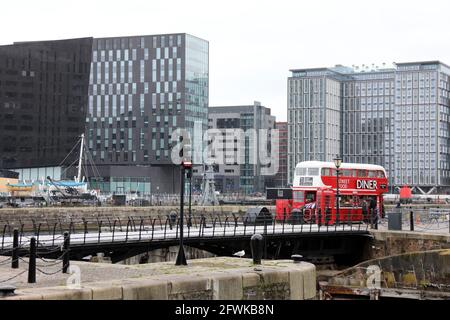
[227, 287]
[105, 291]
[212, 279]
[145, 289]
[384, 235]
[184, 285]
[53, 293]
[296, 284]
[274, 276]
[250, 279]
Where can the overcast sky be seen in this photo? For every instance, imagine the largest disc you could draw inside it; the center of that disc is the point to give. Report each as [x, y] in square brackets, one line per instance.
[252, 44]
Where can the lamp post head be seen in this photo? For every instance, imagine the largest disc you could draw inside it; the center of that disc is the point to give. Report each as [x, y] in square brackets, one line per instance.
[337, 161]
[186, 164]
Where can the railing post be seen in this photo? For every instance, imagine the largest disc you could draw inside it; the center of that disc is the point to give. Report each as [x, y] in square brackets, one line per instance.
[411, 220]
[100, 230]
[32, 262]
[3, 236]
[38, 231]
[54, 232]
[114, 230]
[128, 224]
[15, 251]
[66, 249]
[140, 228]
[319, 217]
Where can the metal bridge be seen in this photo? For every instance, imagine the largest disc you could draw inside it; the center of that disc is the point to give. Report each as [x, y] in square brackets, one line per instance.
[221, 235]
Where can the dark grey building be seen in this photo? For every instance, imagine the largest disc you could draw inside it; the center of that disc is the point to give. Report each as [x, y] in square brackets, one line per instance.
[244, 175]
[397, 117]
[280, 179]
[141, 89]
[43, 104]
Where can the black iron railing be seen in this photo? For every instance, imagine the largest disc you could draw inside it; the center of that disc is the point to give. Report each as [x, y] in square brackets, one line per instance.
[109, 229]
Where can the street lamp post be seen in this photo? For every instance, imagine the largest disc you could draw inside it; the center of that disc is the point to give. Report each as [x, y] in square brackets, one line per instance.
[181, 257]
[337, 163]
[190, 197]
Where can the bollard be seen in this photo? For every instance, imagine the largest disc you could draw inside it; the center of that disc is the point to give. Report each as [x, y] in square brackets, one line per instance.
[298, 258]
[411, 221]
[66, 248]
[256, 244]
[32, 262]
[172, 219]
[15, 251]
[7, 290]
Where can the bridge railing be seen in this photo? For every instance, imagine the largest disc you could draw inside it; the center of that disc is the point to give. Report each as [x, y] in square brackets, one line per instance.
[109, 229]
[425, 219]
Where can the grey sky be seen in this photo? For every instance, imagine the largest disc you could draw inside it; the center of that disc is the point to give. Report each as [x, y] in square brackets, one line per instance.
[253, 44]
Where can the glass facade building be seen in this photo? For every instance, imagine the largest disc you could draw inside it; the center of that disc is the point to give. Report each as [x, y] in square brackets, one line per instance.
[280, 179]
[141, 89]
[243, 176]
[395, 117]
[43, 104]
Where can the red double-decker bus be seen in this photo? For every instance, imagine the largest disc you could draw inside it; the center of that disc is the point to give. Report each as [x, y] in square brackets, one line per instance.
[314, 192]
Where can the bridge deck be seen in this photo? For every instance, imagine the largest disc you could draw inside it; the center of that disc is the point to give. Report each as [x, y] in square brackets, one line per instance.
[163, 233]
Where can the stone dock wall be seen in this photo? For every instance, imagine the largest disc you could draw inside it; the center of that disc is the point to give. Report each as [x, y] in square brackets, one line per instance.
[202, 280]
[388, 243]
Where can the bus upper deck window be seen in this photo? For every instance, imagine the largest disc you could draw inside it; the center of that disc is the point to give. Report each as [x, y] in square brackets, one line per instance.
[362, 173]
[347, 173]
[380, 174]
[313, 171]
[372, 174]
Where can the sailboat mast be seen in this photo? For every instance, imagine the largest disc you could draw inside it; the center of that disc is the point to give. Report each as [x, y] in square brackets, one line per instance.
[81, 157]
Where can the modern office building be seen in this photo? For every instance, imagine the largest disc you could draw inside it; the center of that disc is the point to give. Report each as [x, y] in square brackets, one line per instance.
[141, 89]
[397, 117]
[43, 104]
[243, 173]
[280, 179]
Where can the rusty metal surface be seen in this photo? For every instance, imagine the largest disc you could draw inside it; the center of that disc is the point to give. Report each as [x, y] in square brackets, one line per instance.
[417, 275]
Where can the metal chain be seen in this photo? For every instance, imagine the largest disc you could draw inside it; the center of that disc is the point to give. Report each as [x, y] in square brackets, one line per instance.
[5, 261]
[13, 277]
[50, 273]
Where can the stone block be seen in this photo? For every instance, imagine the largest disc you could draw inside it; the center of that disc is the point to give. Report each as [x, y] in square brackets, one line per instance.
[189, 284]
[271, 276]
[309, 283]
[250, 279]
[144, 289]
[296, 284]
[105, 291]
[25, 295]
[63, 293]
[227, 287]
